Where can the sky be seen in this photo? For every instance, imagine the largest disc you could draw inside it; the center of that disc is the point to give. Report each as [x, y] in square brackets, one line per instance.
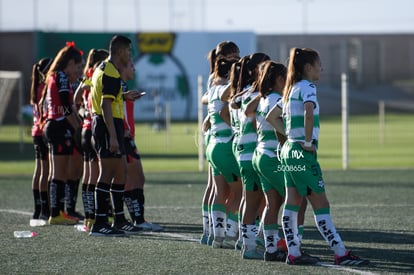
[258, 16]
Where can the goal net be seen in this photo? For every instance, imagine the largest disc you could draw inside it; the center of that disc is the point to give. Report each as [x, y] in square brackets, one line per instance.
[11, 81]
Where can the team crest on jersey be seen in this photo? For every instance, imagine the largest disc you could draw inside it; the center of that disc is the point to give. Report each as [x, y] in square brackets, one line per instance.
[310, 95]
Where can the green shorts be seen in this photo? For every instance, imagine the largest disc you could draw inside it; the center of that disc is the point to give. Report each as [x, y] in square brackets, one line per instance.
[301, 169]
[270, 172]
[222, 160]
[249, 176]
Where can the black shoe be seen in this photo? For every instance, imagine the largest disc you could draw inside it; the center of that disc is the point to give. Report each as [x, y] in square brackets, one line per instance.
[105, 231]
[277, 256]
[302, 260]
[350, 259]
[128, 228]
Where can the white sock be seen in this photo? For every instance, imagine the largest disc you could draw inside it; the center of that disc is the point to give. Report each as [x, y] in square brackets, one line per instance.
[249, 236]
[219, 224]
[232, 229]
[271, 237]
[328, 232]
[290, 229]
[206, 223]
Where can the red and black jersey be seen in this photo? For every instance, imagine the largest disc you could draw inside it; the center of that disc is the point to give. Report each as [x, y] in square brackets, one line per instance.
[59, 96]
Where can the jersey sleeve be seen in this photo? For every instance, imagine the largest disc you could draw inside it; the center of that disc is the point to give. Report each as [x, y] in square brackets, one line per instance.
[309, 93]
[110, 87]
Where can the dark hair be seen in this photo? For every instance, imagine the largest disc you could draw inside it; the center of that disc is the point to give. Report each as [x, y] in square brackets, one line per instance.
[95, 56]
[63, 57]
[270, 72]
[223, 49]
[248, 72]
[118, 42]
[234, 78]
[39, 71]
[226, 48]
[223, 67]
[60, 62]
[298, 58]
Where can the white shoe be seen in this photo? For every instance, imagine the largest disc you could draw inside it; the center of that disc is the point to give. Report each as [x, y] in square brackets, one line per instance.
[147, 226]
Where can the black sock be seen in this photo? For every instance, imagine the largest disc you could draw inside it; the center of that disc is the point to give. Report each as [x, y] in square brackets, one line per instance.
[131, 202]
[37, 204]
[117, 194]
[85, 200]
[141, 203]
[102, 198]
[71, 195]
[91, 200]
[44, 199]
[57, 197]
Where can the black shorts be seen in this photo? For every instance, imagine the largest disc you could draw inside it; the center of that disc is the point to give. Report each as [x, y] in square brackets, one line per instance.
[131, 150]
[40, 147]
[100, 136]
[59, 136]
[88, 150]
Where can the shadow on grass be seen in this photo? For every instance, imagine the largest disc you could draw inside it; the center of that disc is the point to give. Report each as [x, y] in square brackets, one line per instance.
[384, 249]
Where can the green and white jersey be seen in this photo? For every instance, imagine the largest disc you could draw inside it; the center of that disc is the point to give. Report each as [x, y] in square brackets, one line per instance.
[266, 137]
[235, 124]
[248, 136]
[294, 114]
[220, 131]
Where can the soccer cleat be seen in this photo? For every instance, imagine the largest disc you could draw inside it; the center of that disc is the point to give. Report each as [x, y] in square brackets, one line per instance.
[204, 239]
[277, 256]
[350, 259]
[105, 231]
[147, 226]
[75, 214]
[229, 243]
[301, 260]
[128, 228]
[69, 217]
[252, 254]
[61, 220]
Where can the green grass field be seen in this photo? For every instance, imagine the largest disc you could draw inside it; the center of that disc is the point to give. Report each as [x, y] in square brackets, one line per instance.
[371, 209]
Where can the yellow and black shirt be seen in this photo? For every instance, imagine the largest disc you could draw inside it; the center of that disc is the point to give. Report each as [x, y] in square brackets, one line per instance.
[106, 83]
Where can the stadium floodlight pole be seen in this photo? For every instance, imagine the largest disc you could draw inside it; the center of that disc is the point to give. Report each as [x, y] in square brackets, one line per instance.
[305, 15]
[345, 114]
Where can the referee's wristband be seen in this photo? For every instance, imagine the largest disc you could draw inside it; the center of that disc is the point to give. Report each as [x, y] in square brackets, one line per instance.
[307, 143]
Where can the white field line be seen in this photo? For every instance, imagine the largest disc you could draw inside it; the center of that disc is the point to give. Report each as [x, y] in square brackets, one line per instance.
[346, 269]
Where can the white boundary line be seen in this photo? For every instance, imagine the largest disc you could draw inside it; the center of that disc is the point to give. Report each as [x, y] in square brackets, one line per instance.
[347, 269]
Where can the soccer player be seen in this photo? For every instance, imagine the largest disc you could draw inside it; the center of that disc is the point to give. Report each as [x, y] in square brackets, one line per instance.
[62, 123]
[90, 160]
[134, 186]
[41, 171]
[219, 153]
[303, 176]
[265, 161]
[223, 49]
